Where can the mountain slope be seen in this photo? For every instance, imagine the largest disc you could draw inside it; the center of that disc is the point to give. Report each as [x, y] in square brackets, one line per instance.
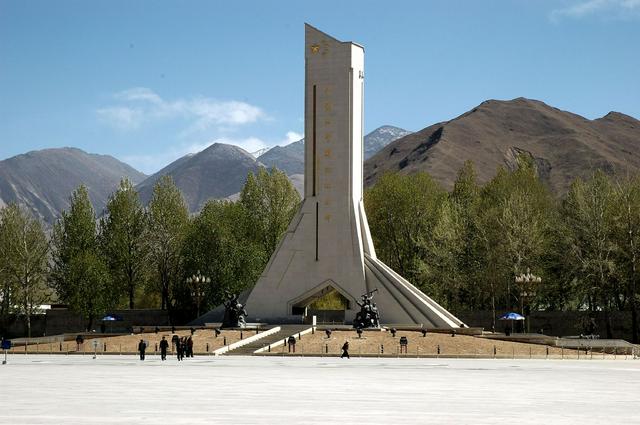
[564, 145]
[43, 180]
[290, 158]
[217, 172]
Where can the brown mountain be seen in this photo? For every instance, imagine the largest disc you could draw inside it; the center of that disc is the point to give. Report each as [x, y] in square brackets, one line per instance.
[215, 173]
[43, 180]
[564, 145]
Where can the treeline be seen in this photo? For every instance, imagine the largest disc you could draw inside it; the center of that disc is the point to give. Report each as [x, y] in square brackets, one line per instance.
[140, 257]
[465, 247]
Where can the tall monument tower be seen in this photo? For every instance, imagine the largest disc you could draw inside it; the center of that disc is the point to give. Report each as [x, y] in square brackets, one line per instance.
[328, 245]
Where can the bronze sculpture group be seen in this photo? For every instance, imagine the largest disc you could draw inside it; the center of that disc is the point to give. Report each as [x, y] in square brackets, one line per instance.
[234, 312]
[368, 316]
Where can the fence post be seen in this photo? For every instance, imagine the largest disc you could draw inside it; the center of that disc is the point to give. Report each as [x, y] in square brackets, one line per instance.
[438, 351]
[494, 351]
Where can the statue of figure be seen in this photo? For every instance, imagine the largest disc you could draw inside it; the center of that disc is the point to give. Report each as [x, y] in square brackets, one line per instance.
[368, 316]
[234, 312]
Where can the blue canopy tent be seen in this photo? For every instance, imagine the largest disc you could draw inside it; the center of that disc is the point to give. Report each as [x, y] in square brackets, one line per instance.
[112, 318]
[512, 317]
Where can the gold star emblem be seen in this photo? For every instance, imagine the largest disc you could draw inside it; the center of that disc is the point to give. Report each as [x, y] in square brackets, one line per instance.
[315, 48]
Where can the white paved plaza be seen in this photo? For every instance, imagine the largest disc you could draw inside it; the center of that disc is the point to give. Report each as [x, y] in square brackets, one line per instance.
[39, 389]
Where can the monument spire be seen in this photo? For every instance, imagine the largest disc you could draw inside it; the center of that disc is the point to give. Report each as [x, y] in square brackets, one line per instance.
[328, 245]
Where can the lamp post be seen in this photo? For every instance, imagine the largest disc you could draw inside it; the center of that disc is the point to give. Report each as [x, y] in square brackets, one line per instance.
[197, 293]
[526, 282]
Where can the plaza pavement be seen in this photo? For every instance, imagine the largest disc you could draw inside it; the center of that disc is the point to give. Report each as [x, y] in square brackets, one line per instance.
[45, 389]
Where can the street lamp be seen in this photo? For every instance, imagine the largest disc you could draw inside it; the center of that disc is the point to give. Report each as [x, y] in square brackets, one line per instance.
[194, 282]
[526, 282]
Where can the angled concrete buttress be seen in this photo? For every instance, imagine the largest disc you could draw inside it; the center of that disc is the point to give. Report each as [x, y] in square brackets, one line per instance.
[328, 245]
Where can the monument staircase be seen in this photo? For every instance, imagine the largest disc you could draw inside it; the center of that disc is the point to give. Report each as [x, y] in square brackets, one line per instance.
[285, 332]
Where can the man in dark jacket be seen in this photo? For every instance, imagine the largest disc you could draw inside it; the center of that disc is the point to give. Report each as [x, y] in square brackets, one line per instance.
[141, 349]
[164, 345]
[189, 347]
[345, 350]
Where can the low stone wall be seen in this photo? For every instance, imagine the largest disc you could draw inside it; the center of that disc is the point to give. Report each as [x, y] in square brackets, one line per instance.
[65, 321]
[556, 323]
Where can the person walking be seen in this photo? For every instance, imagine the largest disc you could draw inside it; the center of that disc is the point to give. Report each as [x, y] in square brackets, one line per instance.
[345, 350]
[142, 348]
[164, 345]
[190, 347]
[179, 349]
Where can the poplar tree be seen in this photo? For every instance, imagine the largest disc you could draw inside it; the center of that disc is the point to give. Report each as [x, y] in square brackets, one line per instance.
[122, 240]
[78, 272]
[269, 201]
[589, 214]
[168, 218]
[24, 250]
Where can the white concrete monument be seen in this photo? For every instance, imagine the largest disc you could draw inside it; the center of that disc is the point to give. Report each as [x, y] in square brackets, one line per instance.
[328, 245]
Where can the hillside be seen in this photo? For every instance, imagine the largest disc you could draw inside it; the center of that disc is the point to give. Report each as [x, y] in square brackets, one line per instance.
[564, 145]
[217, 172]
[290, 158]
[43, 180]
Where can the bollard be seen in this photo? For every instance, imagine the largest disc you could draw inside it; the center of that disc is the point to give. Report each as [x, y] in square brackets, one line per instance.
[104, 347]
[269, 348]
[299, 336]
[326, 348]
[60, 346]
[240, 334]
[224, 340]
[547, 356]
[438, 350]
[207, 347]
[494, 351]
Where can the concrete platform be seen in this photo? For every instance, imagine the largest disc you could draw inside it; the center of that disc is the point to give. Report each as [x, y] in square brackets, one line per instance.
[42, 389]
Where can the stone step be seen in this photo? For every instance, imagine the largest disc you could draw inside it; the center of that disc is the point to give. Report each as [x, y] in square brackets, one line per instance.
[285, 332]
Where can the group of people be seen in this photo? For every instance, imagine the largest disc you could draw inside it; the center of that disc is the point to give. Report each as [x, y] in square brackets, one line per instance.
[183, 347]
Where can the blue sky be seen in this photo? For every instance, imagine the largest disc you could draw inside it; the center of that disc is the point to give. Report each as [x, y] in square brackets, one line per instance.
[149, 81]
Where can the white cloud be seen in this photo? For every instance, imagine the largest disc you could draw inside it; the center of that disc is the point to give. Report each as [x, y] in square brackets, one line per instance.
[292, 136]
[608, 9]
[140, 105]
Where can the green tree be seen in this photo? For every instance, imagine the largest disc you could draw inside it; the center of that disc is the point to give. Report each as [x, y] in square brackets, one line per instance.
[589, 214]
[168, 219]
[627, 235]
[78, 272]
[122, 240]
[401, 211]
[452, 248]
[270, 201]
[25, 252]
[217, 246]
[515, 224]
